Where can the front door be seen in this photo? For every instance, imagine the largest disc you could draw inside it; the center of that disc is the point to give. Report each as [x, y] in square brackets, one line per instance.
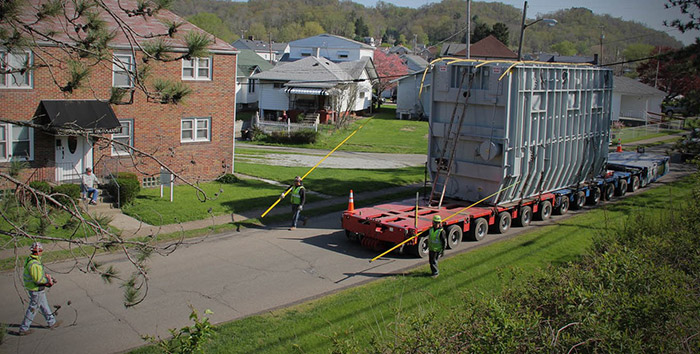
[71, 157]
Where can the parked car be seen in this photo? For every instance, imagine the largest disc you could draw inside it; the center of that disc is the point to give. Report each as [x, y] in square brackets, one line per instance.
[671, 109]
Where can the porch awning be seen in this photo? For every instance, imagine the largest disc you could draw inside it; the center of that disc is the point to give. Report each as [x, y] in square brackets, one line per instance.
[307, 91]
[91, 116]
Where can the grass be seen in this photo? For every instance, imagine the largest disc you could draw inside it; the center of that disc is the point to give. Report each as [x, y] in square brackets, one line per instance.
[631, 135]
[407, 137]
[245, 195]
[358, 316]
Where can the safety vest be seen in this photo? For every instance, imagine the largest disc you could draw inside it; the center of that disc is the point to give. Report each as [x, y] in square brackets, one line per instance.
[434, 241]
[29, 282]
[296, 194]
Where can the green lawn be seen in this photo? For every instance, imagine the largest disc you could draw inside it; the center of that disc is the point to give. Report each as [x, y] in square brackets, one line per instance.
[250, 194]
[356, 317]
[383, 133]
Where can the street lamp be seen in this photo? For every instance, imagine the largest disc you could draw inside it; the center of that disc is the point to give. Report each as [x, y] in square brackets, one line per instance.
[549, 21]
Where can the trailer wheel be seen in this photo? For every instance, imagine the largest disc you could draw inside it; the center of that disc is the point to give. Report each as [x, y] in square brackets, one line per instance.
[352, 236]
[594, 197]
[579, 200]
[479, 230]
[524, 216]
[544, 212]
[632, 187]
[420, 249]
[563, 206]
[454, 236]
[621, 189]
[609, 191]
[502, 224]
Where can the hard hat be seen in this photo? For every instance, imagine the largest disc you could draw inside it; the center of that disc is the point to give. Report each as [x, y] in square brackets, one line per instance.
[36, 247]
[297, 178]
[437, 218]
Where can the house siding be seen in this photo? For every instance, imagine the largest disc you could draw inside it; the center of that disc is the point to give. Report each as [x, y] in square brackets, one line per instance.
[156, 126]
[274, 99]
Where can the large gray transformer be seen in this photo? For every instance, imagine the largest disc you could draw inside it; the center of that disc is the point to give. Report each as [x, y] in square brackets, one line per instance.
[540, 128]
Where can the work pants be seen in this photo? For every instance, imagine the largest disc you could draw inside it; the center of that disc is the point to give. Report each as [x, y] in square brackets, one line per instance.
[433, 260]
[296, 214]
[37, 299]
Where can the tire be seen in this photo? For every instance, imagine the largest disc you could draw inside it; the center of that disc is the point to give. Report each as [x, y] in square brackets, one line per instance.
[544, 211]
[352, 236]
[621, 189]
[579, 200]
[524, 216]
[503, 223]
[454, 236]
[609, 191]
[563, 206]
[479, 229]
[594, 196]
[420, 249]
[634, 185]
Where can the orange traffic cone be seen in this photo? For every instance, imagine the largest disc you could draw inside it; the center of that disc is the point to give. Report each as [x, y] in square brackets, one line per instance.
[619, 145]
[351, 202]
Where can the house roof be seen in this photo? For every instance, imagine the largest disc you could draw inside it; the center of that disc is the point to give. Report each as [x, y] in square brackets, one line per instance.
[329, 41]
[399, 49]
[489, 47]
[415, 62]
[356, 67]
[259, 46]
[90, 115]
[310, 70]
[627, 86]
[247, 61]
[143, 25]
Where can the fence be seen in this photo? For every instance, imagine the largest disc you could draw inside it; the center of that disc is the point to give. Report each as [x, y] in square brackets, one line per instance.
[271, 126]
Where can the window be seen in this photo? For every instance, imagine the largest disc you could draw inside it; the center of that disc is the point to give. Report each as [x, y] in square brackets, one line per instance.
[195, 129]
[123, 70]
[306, 52]
[15, 61]
[196, 69]
[251, 85]
[16, 143]
[343, 54]
[125, 136]
[278, 85]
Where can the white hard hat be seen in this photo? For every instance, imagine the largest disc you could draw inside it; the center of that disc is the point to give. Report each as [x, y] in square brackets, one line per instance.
[36, 247]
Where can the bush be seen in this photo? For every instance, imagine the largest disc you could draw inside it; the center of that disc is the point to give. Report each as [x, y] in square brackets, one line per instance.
[227, 178]
[298, 137]
[126, 189]
[41, 186]
[72, 191]
[127, 175]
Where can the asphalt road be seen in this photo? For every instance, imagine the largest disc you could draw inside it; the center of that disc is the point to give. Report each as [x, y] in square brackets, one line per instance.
[235, 275]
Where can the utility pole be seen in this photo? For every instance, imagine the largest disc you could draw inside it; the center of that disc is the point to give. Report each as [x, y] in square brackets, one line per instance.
[269, 44]
[469, 27]
[602, 35]
[522, 31]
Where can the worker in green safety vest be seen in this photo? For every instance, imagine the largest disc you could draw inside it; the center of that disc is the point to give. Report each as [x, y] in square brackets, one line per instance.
[297, 198]
[437, 241]
[35, 281]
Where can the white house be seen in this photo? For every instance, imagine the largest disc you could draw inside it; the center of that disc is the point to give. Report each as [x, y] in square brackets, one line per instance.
[335, 48]
[408, 104]
[315, 85]
[248, 64]
[634, 101]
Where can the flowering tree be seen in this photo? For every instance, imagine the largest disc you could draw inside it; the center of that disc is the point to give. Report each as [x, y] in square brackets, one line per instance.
[389, 67]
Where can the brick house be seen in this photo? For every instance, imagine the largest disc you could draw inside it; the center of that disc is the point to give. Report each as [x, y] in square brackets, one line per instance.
[194, 137]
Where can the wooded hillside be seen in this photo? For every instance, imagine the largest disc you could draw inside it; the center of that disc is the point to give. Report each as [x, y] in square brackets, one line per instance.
[578, 31]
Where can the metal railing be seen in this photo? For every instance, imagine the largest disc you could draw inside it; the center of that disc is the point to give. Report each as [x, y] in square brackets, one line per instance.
[113, 179]
[284, 126]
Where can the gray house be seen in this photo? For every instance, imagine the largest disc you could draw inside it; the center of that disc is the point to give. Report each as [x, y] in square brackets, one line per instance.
[270, 51]
[329, 46]
[635, 102]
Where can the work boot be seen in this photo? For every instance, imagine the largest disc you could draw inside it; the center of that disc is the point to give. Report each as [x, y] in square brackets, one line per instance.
[55, 324]
[24, 333]
[292, 228]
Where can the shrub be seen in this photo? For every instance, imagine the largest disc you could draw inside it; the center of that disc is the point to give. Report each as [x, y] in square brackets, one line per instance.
[41, 186]
[227, 178]
[306, 136]
[71, 191]
[127, 175]
[125, 190]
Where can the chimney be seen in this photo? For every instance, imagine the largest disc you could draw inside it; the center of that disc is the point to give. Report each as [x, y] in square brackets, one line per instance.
[251, 38]
[317, 52]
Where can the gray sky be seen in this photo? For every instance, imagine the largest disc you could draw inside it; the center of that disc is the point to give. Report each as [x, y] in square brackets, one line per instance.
[649, 12]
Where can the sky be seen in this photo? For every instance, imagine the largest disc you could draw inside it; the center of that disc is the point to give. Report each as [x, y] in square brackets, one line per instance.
[649, 12]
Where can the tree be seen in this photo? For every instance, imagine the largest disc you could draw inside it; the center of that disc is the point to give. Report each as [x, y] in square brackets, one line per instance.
[690, 8]
[389, 67]
[688, 55]
[637, 51]
[213, 24]
[501, 32]
[481, 31]
[68, 39]
[361, 29]
[312, 28]
[564, 48]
